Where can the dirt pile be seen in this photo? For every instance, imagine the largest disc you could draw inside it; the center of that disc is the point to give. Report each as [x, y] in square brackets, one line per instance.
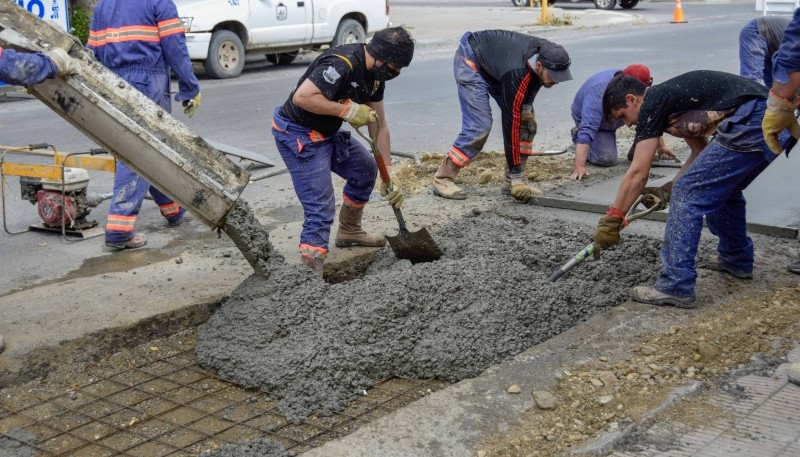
[313, 345]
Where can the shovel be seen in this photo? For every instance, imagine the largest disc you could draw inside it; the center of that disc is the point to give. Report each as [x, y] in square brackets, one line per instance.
[588, 250]
[416, 246]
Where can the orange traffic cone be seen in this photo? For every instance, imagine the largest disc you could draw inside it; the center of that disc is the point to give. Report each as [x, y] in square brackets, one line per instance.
[677, 15]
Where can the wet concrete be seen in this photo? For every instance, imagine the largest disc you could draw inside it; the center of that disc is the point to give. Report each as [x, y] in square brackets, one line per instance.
[16, 444]
[313, 345]
[251, 238]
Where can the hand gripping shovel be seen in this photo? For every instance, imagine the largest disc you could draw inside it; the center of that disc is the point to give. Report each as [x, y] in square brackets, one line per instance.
[588, 250]
[415, 246]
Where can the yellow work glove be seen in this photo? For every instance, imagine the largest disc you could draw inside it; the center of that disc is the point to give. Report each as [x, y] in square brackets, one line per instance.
[657, 196]
[393, 194]
[778, 116]
[190, 106]
[520, 189]
[527, 126]
[358, 115]
[65, 65]
[607, 233]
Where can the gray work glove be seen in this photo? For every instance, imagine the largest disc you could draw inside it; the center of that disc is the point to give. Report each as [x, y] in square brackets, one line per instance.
[65, 64]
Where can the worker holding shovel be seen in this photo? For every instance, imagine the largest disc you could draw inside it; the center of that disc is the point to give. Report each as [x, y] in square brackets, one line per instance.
[28, 69]
[509, 67]
[711, 181]
[345, 83]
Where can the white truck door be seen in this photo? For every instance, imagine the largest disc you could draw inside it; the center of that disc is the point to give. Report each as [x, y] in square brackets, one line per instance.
[280, 22]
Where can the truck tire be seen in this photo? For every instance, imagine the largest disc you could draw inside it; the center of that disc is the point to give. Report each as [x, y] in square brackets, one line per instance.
[349, 31]
[225, 55]
[605, 4]
[628, 4]
[283, 58]
[520, 2]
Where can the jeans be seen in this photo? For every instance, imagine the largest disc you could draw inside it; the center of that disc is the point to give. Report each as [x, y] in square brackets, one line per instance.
[754, 63]
[712, 188]
[310, 159]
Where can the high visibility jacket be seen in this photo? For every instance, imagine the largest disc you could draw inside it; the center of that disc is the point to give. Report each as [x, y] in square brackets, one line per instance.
[25, 69]
[143, 34]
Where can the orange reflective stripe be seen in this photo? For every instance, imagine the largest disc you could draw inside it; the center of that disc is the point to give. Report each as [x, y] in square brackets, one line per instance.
[169, 209]
[116, 217]
[352, 203]
[316, 136]
[346, 107]
[471, 64]
[122, 34]
[170, 27]
[299, 146]
[275, 126]
[458, 157]
[313, 251]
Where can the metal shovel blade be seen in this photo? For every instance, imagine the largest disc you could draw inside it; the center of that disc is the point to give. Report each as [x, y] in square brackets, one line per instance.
[418, 247]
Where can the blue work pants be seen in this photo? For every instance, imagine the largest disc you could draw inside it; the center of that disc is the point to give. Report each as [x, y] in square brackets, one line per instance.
[310, 159]
[754, 63]
[603, 149]
[130, 189]
[476, 113]
[712, 188]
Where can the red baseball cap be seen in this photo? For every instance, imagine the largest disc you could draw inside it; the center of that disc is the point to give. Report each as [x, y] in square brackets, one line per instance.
[640, 72]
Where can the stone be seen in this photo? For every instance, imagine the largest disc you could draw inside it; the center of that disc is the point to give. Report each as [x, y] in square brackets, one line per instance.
[485, 177]
[794, 373]
[544, 399]
[179, 260]
[708, 351]
[604, 400]
[603, 358]
[481, 453]
[648, 349]
[532, 176]
[607, 377]
[514, 389]
[596, 382]
[644, 370]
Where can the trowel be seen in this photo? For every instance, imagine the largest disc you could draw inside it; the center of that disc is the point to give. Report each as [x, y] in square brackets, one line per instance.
[416, 246]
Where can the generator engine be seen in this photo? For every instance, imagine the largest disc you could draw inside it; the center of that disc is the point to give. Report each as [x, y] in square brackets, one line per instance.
[72, 207]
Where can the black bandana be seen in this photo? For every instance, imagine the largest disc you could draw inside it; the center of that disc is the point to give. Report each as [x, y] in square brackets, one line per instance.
[396, 54]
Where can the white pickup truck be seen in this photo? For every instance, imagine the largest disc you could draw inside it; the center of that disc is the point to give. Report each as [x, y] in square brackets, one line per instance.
[220, 32]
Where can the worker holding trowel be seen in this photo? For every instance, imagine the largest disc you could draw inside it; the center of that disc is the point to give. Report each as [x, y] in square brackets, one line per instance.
[510, 67]
[30, 68]
[594, 137]
[711, 181]
[345, 83]
[781, 114]
[142, 41]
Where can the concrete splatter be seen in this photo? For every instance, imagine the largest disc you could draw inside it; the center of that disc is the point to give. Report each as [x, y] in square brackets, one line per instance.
[259, 447]
[314, 345]
[15, 444]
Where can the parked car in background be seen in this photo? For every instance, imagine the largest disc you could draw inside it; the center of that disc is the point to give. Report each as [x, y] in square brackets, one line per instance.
[220, 32]
[599, 4]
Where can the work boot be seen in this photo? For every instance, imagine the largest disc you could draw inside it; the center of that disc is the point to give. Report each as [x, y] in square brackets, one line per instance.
[444, 184]
[651, 296]
[134, 242]
[713, 263]
[177, 219]
[794, 267]
[350, 233]
[505, 189]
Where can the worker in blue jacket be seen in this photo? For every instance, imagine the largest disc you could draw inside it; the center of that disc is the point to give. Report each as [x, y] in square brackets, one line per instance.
[594, 137]
[28, 69]
[142, 41]
[783, 100]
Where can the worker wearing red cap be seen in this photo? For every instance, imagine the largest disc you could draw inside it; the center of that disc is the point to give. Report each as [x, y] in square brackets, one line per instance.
[594, 137]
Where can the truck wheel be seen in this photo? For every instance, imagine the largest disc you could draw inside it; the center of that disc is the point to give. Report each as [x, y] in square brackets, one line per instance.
[283, 58]
[628, 4]
[520, 2]
[225, 55]
[605, 4]
[349, 31]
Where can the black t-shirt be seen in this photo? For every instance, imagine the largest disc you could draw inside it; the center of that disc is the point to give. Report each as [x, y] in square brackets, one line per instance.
[340, 73]
[701, 90]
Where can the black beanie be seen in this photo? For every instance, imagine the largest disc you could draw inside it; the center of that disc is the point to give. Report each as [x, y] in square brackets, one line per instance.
[393, 45]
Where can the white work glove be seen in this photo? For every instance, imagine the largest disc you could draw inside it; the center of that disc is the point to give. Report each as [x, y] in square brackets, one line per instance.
[65, 65]
[358, 115]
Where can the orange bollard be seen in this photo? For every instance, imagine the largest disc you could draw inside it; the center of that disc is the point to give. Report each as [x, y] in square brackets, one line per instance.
[677, 15]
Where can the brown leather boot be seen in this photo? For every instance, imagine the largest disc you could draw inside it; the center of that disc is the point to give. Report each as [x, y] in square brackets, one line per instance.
[443, 181]
[313, 262]
[350, 232]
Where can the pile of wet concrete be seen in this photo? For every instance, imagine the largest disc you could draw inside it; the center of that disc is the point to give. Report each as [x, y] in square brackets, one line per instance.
[312, 345]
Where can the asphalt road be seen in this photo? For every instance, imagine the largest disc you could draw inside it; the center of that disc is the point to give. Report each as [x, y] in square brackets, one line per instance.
[422, 104]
